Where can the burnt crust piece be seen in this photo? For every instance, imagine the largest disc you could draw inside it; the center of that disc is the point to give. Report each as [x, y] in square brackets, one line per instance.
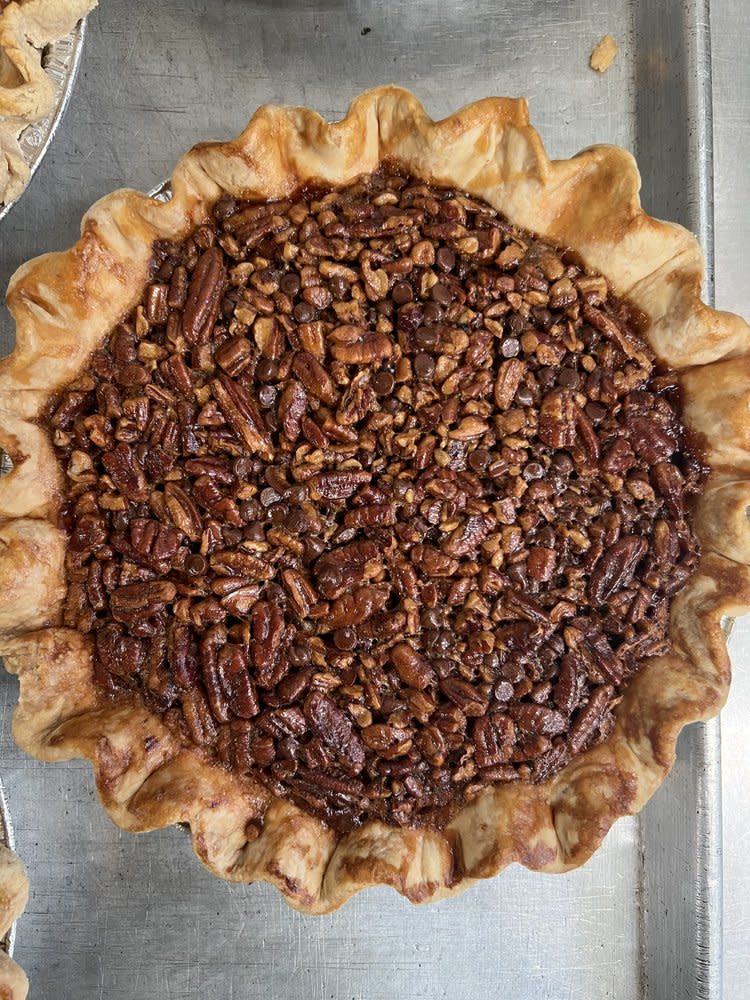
[65, 304]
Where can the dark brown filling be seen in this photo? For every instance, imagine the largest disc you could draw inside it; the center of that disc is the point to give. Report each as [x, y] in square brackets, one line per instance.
[375, 497]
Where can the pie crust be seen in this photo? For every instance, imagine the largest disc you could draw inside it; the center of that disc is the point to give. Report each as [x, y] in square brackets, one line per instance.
[65, 303]
[26, 92]
[14, 894]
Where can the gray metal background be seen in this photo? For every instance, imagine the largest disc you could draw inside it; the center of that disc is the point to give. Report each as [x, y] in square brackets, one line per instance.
[119, 917]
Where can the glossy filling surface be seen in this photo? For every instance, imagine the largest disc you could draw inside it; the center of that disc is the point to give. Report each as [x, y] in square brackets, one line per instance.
[376, 498]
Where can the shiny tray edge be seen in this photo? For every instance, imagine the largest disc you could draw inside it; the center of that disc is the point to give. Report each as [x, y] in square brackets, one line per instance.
[680, 831]
[7, 839]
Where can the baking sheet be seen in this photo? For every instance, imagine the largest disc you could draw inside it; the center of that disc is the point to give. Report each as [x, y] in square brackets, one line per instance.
[60, 60]
[117, 916]
[6, 840]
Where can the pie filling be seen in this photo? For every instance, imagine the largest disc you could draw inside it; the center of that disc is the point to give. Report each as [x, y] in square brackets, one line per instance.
[376, 498]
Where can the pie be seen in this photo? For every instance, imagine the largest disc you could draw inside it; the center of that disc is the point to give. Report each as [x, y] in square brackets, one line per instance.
[376, 503]
[14, 894]
[26, 91]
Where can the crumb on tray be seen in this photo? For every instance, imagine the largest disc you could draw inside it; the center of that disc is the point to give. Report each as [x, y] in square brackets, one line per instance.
[603, 54]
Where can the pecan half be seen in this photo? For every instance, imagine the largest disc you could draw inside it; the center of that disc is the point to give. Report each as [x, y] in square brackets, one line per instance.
[204, 296]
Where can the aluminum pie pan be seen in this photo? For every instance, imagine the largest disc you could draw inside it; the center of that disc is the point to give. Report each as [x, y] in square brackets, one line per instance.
[6, 840]
[60, 60]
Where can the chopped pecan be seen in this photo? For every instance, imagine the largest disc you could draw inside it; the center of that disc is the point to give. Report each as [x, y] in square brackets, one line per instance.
[615, 568]
[355, 345]
[508, 380]
[357, 606]
[332, 726]
[557, 419]
[183, 511]
[411, 667]
[373, 496]
[242, 415]
[292, 406]
[314, 377]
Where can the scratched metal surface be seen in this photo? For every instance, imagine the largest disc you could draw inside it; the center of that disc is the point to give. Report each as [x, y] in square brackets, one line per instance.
[121, 917]
[731, 79]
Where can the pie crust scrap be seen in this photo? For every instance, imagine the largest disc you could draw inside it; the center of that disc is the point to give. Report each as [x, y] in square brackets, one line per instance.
[349, 522]
[603, 54]
[14, 894]
[26, 91]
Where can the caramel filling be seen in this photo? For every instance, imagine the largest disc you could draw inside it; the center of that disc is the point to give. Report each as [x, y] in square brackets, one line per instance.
[374, 497]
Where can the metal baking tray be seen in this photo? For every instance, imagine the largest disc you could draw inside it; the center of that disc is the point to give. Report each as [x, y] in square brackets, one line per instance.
[61, 60]
[125, 917]
[6, 840]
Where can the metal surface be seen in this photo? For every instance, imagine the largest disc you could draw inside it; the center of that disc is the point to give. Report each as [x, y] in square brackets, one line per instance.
[60, 60]
[122, 917]
[7, 942]
[731, 86]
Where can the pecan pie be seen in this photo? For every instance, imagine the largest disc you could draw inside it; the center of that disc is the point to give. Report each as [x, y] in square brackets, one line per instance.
[378, 500]
[14, 894]
[26, 92]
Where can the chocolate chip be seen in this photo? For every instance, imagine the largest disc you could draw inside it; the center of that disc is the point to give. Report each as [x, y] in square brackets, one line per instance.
[303, 312]
[534, 470]
[542, 317]
[313, 548]
[267, 395]
[426, 336]
[196, 564]
[345, 639]
[290, 285]
[546, 537]
[278, 513]
[430, 618]
[515, 325]
[562, 463]
[503, 691]
[383, 383]
[445, 259]
[546, 376]
[299, 655]
[402, 293]
[254, 531]
[595, 412]
[524, 396]
[424, 366]
[479, 459]
[569, 378]
[291, 491]
[441, 294]
[266, 371]
[432, 312]
[295, 521]
[231, 536]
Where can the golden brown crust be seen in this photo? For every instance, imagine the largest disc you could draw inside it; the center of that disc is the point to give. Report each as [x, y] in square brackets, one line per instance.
[13, 982]
[14, 895]
[145, 778]
[26, 91]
